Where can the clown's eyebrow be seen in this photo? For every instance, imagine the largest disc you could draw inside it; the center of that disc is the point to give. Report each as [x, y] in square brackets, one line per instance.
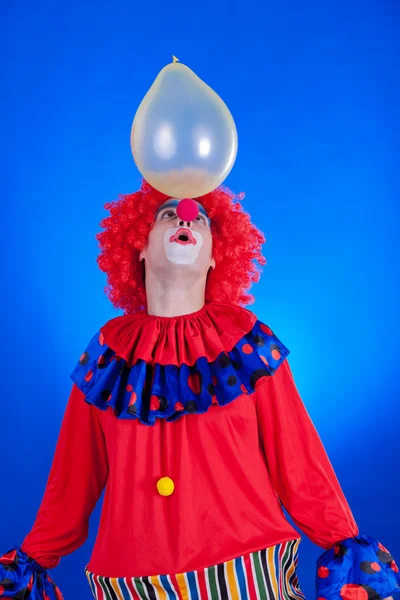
[170, 204]
[174, 204]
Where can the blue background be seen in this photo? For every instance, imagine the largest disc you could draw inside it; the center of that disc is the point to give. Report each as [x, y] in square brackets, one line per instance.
[314, 91]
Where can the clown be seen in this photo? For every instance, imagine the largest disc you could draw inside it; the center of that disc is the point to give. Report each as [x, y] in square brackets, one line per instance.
[185, 410]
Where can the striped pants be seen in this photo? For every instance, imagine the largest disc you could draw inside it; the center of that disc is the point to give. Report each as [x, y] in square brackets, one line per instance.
[268, 574]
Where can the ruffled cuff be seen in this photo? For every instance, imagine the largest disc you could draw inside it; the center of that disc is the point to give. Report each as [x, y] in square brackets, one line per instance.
[22, 577]
[357, 568]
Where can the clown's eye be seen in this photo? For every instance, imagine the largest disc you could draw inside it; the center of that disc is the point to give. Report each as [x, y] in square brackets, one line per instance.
[200, 218]
[168, 213]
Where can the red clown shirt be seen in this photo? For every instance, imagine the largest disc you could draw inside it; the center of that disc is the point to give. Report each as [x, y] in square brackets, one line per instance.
[195, 428]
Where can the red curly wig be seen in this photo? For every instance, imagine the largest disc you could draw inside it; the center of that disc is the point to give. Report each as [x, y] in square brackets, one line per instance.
[236, 243]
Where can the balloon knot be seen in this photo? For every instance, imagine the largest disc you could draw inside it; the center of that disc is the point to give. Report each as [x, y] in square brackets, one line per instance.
[175, 59]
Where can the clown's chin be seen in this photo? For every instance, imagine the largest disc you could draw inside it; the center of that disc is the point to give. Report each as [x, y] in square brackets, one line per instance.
[182, 254]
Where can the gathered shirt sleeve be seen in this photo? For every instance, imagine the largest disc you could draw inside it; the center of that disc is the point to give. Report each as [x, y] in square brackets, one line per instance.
[76, 480]
[300, 470]
[307, 486]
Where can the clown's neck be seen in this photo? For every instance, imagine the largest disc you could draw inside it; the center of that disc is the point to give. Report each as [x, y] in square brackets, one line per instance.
[173, 299]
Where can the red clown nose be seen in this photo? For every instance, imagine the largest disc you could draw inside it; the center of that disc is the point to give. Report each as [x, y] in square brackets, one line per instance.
[187, 209]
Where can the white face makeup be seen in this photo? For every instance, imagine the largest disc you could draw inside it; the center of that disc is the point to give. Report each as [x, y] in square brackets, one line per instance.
[182, 245]
[176, 247]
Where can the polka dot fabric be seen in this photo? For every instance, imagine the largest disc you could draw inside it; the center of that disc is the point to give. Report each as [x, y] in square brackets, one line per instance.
[358, 568]
[21, 577]
[148, 391]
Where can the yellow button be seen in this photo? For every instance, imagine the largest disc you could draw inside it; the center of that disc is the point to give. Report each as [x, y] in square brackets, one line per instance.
[165, 486]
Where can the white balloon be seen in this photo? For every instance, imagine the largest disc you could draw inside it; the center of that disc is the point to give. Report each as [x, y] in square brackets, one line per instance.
[183, 138]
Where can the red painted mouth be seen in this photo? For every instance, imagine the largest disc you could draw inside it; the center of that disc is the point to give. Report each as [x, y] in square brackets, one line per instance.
[183, 236]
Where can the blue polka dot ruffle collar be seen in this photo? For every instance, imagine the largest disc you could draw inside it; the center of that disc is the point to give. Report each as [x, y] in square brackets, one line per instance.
[148, 367]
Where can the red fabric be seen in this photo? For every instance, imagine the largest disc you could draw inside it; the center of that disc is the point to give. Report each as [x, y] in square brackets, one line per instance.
[77, 477]
[299, 467]
[178, 340]
[228, 465]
